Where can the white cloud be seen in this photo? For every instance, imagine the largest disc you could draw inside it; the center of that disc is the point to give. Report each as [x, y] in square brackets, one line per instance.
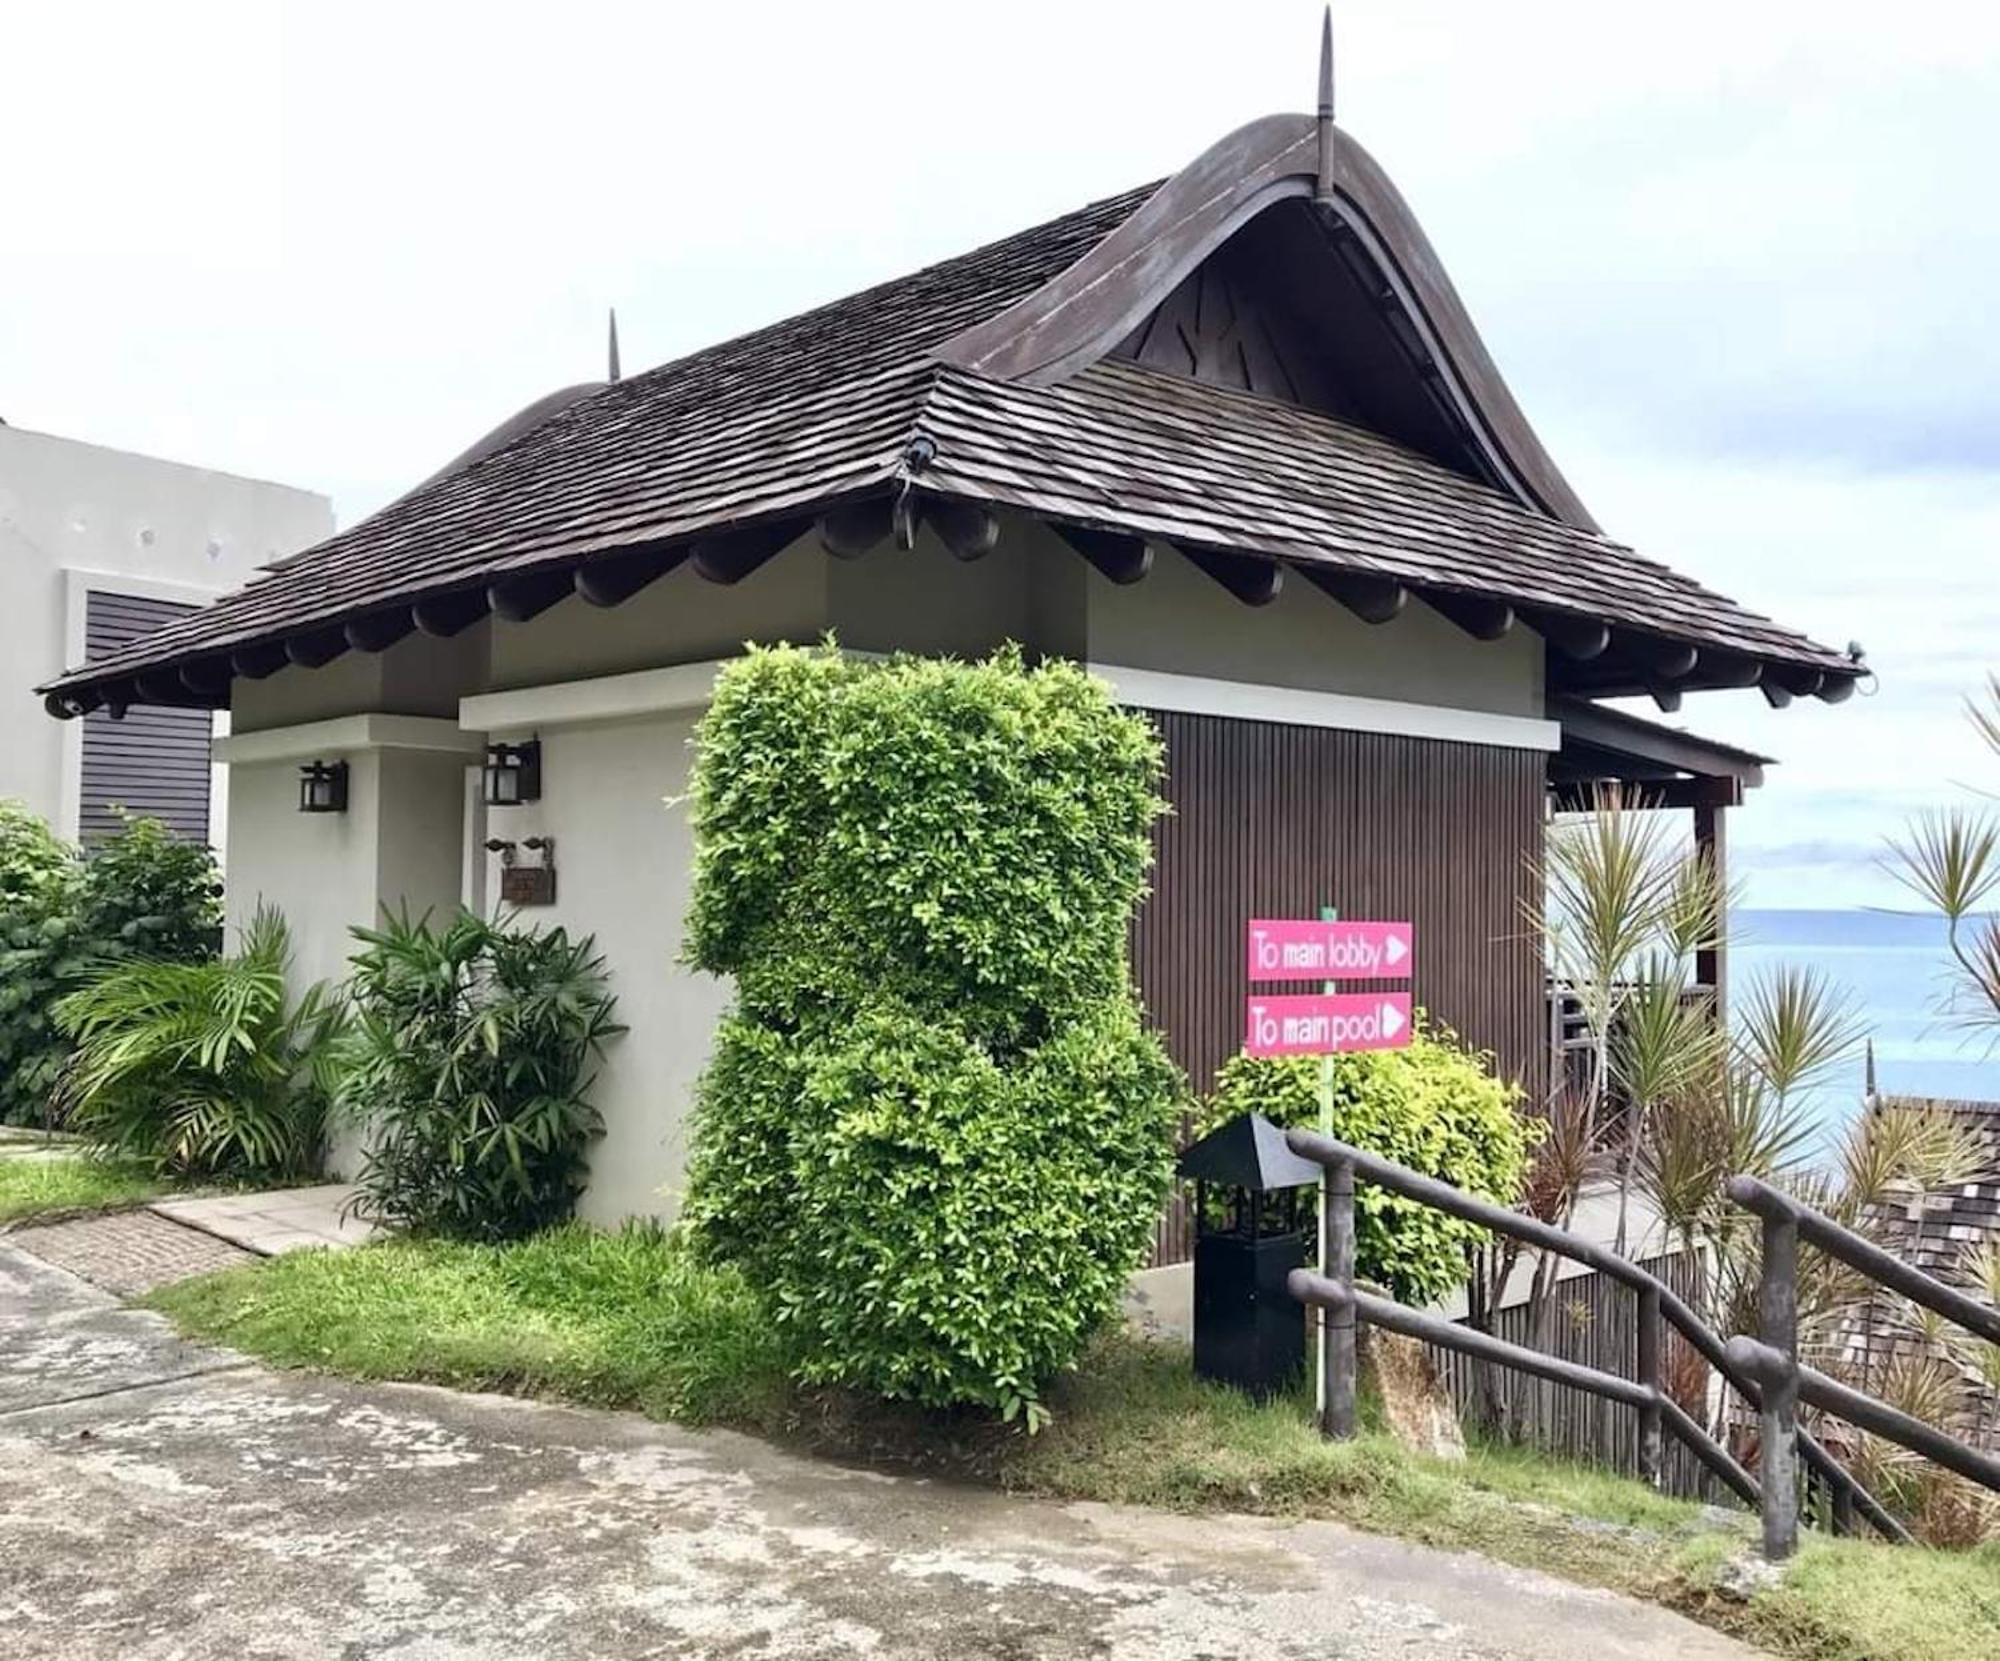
[1736, 260]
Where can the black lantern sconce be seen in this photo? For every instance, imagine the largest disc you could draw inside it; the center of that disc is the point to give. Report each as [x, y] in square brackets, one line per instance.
[513, 773]
[323, 787]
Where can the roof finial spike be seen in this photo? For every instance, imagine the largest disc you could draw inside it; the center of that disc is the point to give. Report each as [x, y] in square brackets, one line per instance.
[614, 375]
[1323, 188]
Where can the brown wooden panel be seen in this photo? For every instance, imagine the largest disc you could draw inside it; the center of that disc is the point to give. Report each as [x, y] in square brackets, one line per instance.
[1272, 820]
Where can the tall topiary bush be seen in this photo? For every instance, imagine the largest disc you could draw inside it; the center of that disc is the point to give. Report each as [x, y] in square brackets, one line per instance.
[935, 1132]
[1434, 1107]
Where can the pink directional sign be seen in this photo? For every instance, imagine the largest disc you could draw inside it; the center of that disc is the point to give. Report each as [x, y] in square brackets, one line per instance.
[1326, 1023]
[1294, 949]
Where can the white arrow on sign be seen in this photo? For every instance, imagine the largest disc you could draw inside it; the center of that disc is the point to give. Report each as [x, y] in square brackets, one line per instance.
[1396, 950]
[1392, 1020]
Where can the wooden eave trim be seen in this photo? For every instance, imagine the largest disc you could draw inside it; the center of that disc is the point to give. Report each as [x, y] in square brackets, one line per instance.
[1303, 707]
[1683, 752]
[1078, 316]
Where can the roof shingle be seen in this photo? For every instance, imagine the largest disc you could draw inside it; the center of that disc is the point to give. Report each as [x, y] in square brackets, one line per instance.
[822, 406]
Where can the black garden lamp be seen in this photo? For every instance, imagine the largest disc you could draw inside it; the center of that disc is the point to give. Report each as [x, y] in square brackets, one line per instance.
[1248, 1329]
[323, 787]
[513, 773]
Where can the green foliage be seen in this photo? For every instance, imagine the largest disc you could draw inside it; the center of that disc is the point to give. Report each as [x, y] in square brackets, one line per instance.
[1433, 1107]
[148, 893]
[935, 1132]
[201, 1069]
[143, 893]
[467, 1063]
[39, 878]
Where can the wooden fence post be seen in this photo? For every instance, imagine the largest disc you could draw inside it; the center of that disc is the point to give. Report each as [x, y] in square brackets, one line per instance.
[1650, 1438]
[1778, 1320]
[1337, 1358]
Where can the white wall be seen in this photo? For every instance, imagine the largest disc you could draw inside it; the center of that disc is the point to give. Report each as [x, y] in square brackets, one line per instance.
[76, 516]
[623, 861]
[400, 843]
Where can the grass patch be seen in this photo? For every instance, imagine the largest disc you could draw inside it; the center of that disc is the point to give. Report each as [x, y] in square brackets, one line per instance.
[627, 1320]
[37, 1188]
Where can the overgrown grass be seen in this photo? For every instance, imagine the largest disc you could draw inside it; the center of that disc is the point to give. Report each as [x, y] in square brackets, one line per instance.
[34, 1188]
[627, 1320]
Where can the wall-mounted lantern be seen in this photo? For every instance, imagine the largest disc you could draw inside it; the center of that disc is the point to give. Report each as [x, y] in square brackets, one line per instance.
[323, 787]
[513, 773]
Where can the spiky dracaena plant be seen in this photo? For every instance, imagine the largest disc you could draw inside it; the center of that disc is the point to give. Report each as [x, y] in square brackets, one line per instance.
[206, 1068]
[1622, 908]
[1950, 859]
[469, 1066]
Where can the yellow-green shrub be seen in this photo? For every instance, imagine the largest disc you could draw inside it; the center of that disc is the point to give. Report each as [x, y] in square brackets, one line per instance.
[935, 1132]
[1434, 1107]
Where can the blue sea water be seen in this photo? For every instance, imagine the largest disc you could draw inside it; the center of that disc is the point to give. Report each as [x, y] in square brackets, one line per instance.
[1893, 965]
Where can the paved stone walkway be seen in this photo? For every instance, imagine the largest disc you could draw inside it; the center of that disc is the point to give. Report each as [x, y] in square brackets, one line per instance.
[129, 1252]
[161, 1502]
[276, 1219]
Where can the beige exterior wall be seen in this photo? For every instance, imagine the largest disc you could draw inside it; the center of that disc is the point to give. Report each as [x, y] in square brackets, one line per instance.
[1181, 620]
[401, 842]
[614, 755]
[623, 861]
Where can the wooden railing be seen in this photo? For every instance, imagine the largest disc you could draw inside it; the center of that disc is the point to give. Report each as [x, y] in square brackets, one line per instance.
[1660, 1307]
[1772, 1358]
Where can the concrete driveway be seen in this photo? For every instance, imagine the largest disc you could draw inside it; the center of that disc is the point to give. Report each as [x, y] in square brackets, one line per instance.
[162, 1501]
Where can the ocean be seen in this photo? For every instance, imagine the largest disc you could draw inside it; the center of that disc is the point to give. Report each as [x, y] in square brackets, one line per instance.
[1893, 966]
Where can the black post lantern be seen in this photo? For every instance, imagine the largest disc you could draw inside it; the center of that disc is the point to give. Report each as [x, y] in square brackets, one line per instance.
[1248, 1329]
[323, 787]
[513, 773]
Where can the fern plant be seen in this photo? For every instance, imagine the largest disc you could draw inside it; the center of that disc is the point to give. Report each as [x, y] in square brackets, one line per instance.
[468, 1065]
[206, 1068]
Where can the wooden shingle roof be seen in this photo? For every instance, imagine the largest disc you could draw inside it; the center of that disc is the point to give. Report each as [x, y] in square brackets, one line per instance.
[842, 405]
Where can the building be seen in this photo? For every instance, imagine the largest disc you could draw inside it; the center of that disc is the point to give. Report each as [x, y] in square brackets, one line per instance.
[97, 548]
[1232, 440]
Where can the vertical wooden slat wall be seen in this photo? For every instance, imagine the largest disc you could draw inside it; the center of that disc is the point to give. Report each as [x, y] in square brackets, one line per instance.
[1276, 821]
[155, 762]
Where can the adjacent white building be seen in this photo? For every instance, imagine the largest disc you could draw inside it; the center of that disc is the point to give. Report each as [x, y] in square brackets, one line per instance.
[97, 548]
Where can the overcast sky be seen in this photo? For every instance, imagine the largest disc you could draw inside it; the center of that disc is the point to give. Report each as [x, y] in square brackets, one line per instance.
[1738, 262]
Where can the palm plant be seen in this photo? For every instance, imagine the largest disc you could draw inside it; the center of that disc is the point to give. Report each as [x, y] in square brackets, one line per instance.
[1951, 860]
[204, 1068]
[468, 1064]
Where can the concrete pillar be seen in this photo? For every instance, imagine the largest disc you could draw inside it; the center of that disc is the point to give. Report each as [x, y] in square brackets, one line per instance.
[400, 843]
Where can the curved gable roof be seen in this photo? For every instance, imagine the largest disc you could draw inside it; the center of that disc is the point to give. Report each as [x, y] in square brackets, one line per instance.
[1083, 314]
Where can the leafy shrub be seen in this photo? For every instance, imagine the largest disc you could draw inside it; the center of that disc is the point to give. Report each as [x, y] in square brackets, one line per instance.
[1433, 1107]
[39, 876]
[201, 1069]
[467, 1064]
[150, 893]
[143, 893]
[935, 1133]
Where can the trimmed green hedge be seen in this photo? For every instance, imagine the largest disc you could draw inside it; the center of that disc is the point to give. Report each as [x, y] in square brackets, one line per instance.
[935, 1132]
[1434, 1107]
